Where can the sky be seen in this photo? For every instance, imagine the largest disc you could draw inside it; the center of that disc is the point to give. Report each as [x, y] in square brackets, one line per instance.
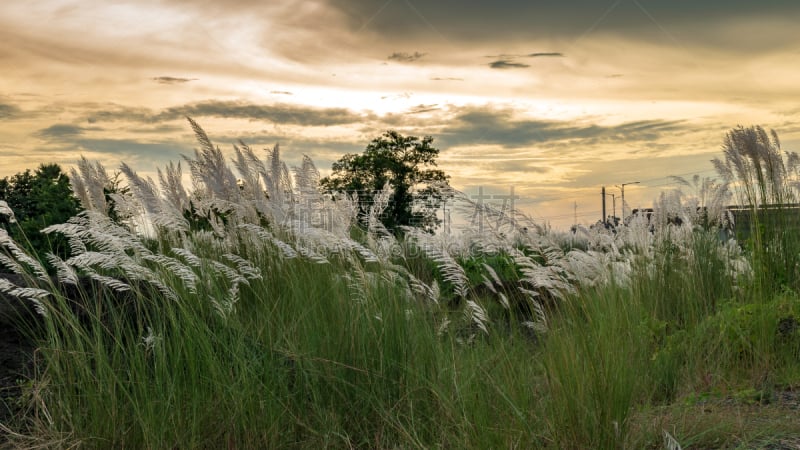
[553, 99]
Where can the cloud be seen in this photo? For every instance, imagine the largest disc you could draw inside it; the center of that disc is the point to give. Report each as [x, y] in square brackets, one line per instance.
[116, 113]
[423, 109]
[172, 80]
[157, 129]
[487, 125]
[60, 131]
[8, 111]
[507, 64]
[545, 55]
[281, 92]
[502, 20]
[281, 113]
[446, 79]
[405, 57]
[136, 150]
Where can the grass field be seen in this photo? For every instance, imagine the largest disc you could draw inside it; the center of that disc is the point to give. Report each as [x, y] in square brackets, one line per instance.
[250, 325]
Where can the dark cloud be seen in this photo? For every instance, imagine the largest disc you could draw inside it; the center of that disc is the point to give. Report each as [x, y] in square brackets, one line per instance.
[446, 79]
[507, 64]
[136, 150]
[281, 92]
[281, 113]
[8, 111]
[524, 166]
[527, 55]
[423, 108]
[405, 57]
[323, 151]
[156, 129]
[277, 113]
[545, 55]
[116, 113]
[501, 20]
[60, 131]
[475, 125]
[172, 80]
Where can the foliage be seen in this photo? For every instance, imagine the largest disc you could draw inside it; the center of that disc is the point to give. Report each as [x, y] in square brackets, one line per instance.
[742, 336]
[406, 164]
[38, 199]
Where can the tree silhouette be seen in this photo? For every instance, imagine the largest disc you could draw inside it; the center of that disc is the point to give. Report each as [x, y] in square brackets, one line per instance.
[407, 164]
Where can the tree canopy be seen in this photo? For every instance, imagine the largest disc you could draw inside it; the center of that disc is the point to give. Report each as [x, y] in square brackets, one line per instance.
[38, 199]
[408, 164]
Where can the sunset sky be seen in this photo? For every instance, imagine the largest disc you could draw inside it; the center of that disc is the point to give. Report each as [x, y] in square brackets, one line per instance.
[554, 98]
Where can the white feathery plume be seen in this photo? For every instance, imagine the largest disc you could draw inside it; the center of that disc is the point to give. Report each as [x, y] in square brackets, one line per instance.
[74, 234]
[79, 189]
[308, 253]
[165, 290]
[418, 286]
[367, 254]
[22, 257]
[670, 443]
[5, 210]
[288, 251]
[146, 192]
[174, 266]
[191, 259]
[229, 272]
[489, 285]
[34, 295]
[110, 282]
[150, 340]
[380, 201]
[493, 274]
[245, 267]
[89, 183]
[287, 186]
[144, 189]
[477, 315]
[65, 273]
[307, 177]
[11, 265]
[210, 174]
[442, 328]
[451, 271]
[252, 171]
[172, 186]
[504, 300]
[103, 260]
[548, 278]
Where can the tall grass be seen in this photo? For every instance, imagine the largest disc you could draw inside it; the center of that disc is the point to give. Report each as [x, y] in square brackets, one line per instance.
[249, 312]
[596, 366]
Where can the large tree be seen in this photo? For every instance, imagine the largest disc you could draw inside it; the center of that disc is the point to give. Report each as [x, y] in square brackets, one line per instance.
[38, 199]
[407, 163]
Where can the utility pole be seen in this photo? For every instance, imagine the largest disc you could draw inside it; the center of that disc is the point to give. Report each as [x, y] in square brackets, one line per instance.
[603, 201]
[613, 207]
[575, 221]
[622, 188]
